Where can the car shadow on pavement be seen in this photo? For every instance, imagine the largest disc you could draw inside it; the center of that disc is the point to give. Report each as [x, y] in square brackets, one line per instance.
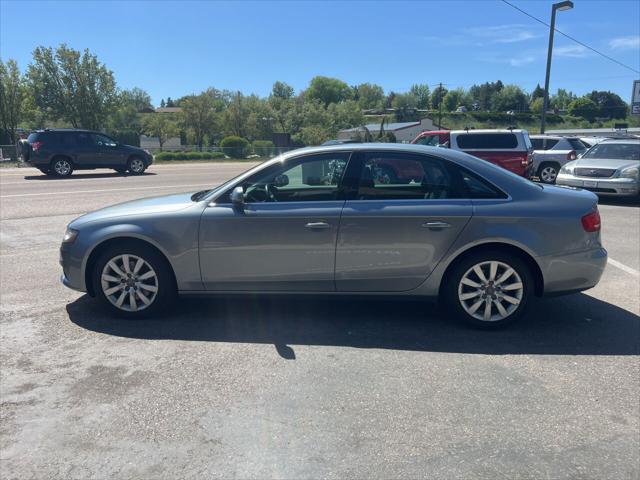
[573, 325]
[620, 201]
[79, 176]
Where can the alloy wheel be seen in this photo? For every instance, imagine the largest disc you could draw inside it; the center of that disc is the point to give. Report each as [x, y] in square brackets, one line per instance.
[129, 282]
[62, 167]
[548, 174]
[490, 291]
[137, 165]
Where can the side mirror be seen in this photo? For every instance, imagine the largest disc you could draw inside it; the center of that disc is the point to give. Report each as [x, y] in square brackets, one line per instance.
[237, 198]
[281, 181]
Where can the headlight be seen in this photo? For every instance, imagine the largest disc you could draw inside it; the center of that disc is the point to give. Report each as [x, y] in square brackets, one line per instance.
[568, 170]
[630, 172]
[147, 152]
[70, 236]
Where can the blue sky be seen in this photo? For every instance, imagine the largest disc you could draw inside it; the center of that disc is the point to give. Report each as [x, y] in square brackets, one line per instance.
[176, 48]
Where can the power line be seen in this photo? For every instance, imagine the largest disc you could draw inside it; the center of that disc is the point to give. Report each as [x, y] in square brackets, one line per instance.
[571, 38]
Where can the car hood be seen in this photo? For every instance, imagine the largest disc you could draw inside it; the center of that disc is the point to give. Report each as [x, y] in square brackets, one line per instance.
[145, 206]
[613, 163]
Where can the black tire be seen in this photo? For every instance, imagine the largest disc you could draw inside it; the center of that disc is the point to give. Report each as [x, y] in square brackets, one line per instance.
[451, 289]
[136, 165]
[164, 281]
[61, 167]
[548, 170]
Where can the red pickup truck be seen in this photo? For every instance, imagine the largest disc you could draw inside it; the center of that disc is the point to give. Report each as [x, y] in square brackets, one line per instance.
[510, 149]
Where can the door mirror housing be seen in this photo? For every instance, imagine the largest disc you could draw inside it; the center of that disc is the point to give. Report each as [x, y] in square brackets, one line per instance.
[237, 198]
[281, 181]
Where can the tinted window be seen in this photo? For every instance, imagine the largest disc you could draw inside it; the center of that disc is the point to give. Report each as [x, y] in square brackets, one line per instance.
[84, 139]
[538, 143]
[473, 141]
[551, 142]
[398, 176]
[32, 137]
[576, 144]
[304, 179]
[103, 140]
[477, 187]
[621, 151]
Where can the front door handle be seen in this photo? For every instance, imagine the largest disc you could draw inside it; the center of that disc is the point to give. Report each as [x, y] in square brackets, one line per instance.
[317, 225]
[436, 225]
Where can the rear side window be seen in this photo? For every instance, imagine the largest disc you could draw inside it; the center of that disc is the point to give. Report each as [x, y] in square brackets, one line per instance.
[489, 141]
[551, 142]
[83, 138]
[477, 187]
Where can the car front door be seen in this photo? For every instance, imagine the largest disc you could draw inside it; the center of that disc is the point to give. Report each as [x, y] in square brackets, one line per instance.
[86, 151]
[284, 237]
[393, 234]
[110, 156]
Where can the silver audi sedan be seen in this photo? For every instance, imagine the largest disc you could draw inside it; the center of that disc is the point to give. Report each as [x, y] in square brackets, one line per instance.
[354, 219]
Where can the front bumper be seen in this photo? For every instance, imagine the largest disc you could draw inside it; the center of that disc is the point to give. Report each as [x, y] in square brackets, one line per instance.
[71, 264]
[602, 186]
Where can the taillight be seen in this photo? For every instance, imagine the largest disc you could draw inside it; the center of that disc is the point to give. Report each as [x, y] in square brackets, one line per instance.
[591, 221]
[572, 155]
[525, 160]
[35, 146]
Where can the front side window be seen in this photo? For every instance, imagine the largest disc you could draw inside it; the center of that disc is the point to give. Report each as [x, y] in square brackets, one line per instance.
[304, 179]
[399, 176]
[103, 141]
[619, 151]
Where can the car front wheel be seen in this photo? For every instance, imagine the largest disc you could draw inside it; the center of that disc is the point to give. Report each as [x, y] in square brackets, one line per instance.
[133, 281]
[548, 173]
[489, 290]
[136, 166]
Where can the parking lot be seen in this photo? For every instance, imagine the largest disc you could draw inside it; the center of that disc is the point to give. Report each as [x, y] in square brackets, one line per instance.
[302, 387]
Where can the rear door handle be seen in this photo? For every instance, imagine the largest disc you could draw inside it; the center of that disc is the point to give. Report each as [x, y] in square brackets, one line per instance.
[317, 225]
[436, 225]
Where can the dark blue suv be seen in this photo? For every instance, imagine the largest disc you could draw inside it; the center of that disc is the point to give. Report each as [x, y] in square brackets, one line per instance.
[61, 151]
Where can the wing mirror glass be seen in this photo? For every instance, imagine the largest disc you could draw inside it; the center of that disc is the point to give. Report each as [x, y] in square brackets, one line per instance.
[281, 181]
[237, 197]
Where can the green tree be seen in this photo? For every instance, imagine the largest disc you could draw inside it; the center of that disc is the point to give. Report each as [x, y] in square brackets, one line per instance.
[343, 115]
[437, 96]
[314, 135]
[12, 98]
[536, 105]
[161, 125]
[200, 114]
[281, 103]
[561, 99]
[282, 90]
[609, 104]
[422, 94]
[584, 107]
[72, 86]
[482, 94]
[538, 92]
[405, 105]
[453, 99]
[328, 90]
[511, 97]
[369, 96]
[126, 114]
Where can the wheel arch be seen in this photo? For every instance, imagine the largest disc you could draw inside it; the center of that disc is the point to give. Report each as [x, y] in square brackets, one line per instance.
[503, 247]
[109, 242]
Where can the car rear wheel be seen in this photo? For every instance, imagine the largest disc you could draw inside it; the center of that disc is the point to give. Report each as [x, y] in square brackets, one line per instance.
[548, 173]
[489, 289]
[133, 281]
[62, 167]
[136, 165]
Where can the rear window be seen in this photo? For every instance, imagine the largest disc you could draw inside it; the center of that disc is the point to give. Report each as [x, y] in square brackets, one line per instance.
[537, 143]
[476, 141]
[551, 142]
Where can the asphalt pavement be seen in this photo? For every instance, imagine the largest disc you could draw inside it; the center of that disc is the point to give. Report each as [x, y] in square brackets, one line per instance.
[259, 387]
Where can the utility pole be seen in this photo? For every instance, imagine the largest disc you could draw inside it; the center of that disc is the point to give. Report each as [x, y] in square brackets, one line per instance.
[567, 5]
[440, 107]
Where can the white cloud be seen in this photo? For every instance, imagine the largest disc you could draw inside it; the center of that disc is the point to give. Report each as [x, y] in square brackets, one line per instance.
[572, 51]
[520, 61]
[625, 43]
[511, 33]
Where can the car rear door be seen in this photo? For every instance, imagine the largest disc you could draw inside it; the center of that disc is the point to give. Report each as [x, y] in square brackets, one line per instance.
[284, 239]
[392, 235]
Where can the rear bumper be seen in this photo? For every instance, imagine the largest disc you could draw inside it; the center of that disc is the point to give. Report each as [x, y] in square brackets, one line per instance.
[574, 272]
[602, 186]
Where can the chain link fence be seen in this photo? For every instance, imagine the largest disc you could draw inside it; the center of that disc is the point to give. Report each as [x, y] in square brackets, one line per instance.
[8, 153]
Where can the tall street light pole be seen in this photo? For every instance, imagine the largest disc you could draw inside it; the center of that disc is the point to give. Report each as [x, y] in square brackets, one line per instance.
[567, 5]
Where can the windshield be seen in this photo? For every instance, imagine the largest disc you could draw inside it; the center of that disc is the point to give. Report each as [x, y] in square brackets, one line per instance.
[618, 151]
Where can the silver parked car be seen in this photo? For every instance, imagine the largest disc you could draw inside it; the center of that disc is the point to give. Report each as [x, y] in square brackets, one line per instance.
[551, 152]
[330, 220]
[610, 167]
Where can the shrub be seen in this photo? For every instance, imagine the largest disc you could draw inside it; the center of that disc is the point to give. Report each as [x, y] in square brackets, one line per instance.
[235, 147]
[264, 148]
[189, 155]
